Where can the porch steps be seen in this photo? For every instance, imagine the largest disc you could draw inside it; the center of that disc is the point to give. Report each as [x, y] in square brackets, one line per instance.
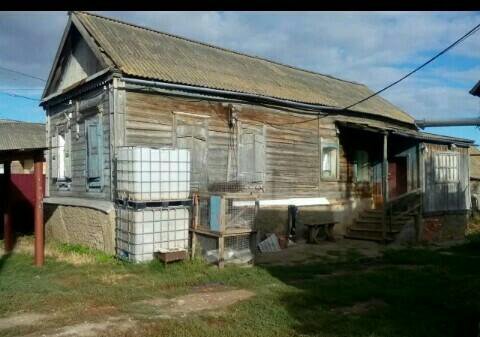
[368, 226]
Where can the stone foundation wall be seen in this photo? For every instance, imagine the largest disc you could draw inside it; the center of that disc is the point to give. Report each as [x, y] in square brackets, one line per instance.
[444, 227]
[275, 219]
[80, 225]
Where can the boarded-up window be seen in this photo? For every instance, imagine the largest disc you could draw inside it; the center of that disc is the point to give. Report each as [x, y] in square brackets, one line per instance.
[329, 160]
[251, 156]
[446, 167]
[94, 170]
[361, 166]
[191, 133]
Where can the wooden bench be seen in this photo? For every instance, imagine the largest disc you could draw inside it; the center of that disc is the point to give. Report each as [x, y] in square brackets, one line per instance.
[314, 231]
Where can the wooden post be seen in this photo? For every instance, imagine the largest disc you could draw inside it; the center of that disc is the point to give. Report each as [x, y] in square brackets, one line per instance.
[38, 213]
[221, 239]
[196, 211]
[385, 185]
[8, 235]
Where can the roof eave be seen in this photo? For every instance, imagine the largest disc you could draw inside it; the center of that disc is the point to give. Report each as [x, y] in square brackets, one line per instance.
[475, 91]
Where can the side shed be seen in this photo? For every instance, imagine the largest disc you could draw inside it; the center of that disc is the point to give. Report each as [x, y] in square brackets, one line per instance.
[20, 141]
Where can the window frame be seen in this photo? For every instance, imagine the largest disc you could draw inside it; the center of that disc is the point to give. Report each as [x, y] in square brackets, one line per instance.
[324, 143]
[63, 184]
[356, 167]
[90, 187]
[258, 165]
[437, 167]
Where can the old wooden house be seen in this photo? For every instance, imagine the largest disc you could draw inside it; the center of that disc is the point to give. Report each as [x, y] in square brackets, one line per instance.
[254, 127]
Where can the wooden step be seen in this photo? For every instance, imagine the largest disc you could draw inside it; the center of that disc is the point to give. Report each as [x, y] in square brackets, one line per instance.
[379, 230]
[368, 237]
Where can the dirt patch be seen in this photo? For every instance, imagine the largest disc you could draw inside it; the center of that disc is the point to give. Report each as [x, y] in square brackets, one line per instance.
[202, 301]
[21, 319]
[361, 308]
[108, 326]
[115, 278]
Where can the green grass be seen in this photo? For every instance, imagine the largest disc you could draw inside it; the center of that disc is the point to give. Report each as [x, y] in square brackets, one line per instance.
[425, 293]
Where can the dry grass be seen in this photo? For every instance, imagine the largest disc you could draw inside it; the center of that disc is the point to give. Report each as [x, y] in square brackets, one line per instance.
[25, 245]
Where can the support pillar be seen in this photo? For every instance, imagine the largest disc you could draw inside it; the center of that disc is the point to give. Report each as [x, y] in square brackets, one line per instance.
[8, 234]
[38, 213]
[385, 185]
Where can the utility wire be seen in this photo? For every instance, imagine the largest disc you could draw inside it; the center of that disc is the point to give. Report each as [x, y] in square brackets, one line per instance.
[23, 89]
[464, 37]
[23, 74]
[20, 96]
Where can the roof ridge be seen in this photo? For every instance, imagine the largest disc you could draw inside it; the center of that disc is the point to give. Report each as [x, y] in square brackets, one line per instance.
[217, 47]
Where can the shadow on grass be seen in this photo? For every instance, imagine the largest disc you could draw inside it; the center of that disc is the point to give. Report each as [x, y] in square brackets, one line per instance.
[421, 292]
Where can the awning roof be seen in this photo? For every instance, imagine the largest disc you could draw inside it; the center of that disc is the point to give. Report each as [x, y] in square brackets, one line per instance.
[423, 136]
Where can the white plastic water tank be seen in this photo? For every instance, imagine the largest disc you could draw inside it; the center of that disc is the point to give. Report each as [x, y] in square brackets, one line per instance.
[140, 233]
[153, 174]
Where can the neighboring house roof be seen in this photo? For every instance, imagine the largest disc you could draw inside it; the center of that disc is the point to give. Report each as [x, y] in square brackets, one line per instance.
[474, 163]
[15, 135]
[475, 91]
[145, 53]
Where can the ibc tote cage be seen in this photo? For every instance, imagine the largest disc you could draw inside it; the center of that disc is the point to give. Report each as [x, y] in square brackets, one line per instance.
[222, 222]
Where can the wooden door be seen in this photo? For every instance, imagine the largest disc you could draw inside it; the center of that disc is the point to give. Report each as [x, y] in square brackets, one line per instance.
[397, 177]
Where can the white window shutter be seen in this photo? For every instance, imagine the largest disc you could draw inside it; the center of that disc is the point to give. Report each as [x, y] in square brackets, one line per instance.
[259, 158]
[54, 156]
[68, 154]
[246, 165]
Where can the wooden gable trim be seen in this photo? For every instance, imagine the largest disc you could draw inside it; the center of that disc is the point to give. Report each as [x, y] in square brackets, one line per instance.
[57, 57]
[74, 22]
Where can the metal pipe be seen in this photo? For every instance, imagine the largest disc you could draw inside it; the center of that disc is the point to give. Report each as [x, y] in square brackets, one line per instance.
[8, 236]
[233, 94]
[38, 212]
[423, 123]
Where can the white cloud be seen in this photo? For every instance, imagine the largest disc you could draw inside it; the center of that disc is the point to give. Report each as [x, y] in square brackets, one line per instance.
[374, 48]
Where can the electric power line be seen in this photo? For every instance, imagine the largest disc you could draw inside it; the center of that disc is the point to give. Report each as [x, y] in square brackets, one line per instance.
[464, 37]
[20, 96]
[23, 74]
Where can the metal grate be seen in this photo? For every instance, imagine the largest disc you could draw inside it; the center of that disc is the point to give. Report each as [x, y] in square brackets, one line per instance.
[238, 242]
[240, 213]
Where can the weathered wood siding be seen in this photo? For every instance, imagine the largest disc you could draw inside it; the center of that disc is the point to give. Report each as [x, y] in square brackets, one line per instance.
[292, 152]
[78, 153]
[446, 196]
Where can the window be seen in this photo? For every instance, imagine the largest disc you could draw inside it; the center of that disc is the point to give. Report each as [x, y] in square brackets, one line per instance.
[94, 170]
[191, 133]
[446, 167]
[361, 166]
[329, 157]
[251, 156]
[61, 158]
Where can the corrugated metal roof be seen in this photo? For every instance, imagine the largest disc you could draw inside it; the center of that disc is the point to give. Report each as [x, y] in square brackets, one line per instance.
[16, 135]
[145, 53]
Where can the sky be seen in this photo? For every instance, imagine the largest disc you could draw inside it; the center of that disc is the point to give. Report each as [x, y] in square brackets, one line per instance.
[374, 48]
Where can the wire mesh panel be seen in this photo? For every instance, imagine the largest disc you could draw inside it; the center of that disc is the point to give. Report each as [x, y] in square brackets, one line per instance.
[237, 213]
[240, 213]
[238, 242]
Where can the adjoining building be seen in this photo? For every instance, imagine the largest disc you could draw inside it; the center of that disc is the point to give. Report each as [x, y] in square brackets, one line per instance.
[254, 128]
[22, 180]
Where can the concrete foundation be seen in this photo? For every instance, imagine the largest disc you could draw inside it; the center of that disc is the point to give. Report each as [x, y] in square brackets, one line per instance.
[275, 219]
[444, 227]
[81, 225]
